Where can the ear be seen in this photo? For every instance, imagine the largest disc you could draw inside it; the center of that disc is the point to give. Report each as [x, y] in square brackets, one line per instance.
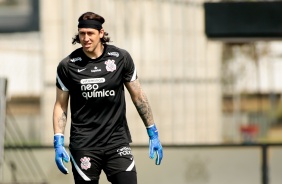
[102, 31]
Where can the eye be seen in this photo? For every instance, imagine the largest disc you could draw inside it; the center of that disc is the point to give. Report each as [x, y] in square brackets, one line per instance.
[81, 33]
[90, 33]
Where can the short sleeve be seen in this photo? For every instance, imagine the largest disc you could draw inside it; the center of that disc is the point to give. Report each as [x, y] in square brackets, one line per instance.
[130, 73]
[62, 76]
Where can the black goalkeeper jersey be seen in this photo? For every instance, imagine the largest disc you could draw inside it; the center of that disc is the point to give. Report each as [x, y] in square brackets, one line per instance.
[97, 100]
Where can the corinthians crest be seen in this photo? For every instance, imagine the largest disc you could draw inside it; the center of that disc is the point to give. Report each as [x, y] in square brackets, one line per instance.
[110, 65]
[85, 163]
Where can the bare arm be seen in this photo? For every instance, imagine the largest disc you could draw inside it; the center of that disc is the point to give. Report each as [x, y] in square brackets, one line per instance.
[142, 105]
[60, 111]
[140, 101]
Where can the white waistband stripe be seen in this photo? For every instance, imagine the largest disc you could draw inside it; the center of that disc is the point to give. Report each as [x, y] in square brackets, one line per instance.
[131, 166]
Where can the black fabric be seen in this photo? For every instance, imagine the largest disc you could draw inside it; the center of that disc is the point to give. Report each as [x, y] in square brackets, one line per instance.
[85, 182]
[124, 178]
[90, 24]
[88, 164]
[97, 99]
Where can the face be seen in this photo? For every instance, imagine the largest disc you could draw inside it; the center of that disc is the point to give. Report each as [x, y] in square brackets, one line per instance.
[90, 38]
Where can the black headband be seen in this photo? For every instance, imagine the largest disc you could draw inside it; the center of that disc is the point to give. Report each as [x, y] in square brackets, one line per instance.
[89, 24]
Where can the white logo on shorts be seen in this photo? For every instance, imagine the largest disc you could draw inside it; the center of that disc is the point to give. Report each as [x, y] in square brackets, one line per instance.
[124, 151]
[85, 163]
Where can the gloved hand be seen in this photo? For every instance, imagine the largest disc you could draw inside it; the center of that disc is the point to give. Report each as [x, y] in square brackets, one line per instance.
[155, 144]
[61, 154]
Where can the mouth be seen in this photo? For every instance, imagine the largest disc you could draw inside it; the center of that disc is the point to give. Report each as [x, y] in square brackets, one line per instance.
[87, 45]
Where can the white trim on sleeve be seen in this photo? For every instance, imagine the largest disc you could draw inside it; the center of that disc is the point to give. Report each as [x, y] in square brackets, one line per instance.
[134, 76]
[64, 88]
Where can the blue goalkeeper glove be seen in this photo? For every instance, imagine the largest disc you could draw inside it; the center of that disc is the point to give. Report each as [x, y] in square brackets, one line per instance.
[155, 144]
[61, 154]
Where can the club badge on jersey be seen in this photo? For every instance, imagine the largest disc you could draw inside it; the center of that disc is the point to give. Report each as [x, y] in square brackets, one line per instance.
[110, 65]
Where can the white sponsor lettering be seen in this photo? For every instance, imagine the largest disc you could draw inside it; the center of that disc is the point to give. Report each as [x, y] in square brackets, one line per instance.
[124, 151]
[97, 94]
[116, 54]
[92, 80]
[76, 59]
[96, 69]
[89, 88]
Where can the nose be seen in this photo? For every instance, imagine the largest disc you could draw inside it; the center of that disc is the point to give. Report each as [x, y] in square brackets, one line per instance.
[86, 37]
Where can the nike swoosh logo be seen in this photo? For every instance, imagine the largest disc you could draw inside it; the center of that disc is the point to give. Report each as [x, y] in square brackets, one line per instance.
[81, 70]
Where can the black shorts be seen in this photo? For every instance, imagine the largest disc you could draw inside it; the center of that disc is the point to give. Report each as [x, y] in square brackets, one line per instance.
[88, 164]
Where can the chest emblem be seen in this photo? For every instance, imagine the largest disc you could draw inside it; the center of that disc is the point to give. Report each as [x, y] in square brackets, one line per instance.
[110, 65]
[96, 69]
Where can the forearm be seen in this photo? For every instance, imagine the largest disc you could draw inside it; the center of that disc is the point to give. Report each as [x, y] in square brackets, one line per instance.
[143, 107]
[59, 124]
[141, 102]
[59, 119]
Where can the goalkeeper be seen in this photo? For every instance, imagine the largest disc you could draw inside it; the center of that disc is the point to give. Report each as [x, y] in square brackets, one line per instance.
[93, 77]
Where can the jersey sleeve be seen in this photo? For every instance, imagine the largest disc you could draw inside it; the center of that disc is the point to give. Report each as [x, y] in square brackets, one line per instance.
[130, 73]
[62, 76]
